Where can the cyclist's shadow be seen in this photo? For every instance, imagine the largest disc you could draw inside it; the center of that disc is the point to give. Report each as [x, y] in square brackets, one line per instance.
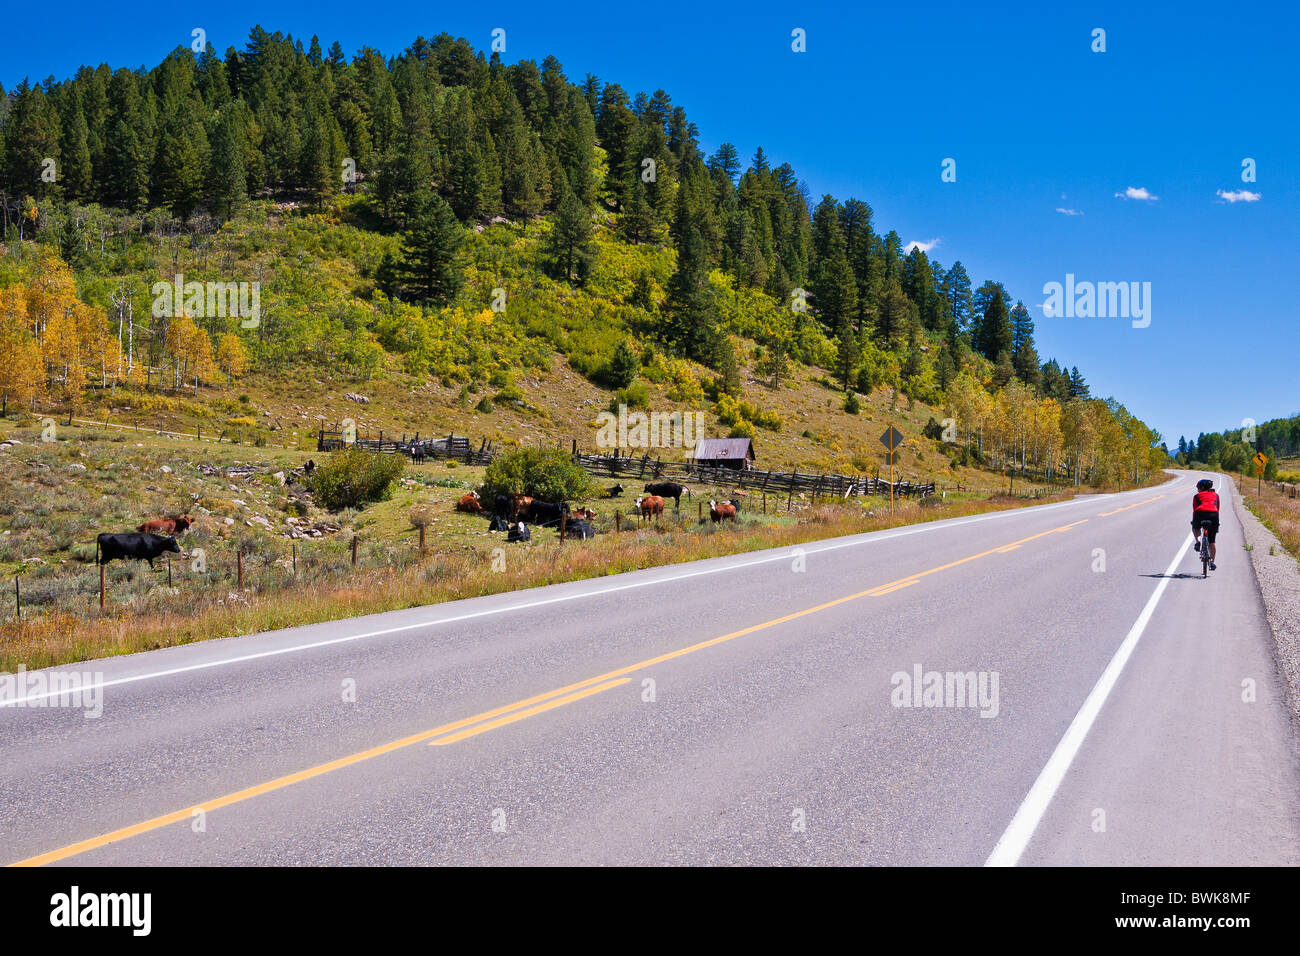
[1171, 576]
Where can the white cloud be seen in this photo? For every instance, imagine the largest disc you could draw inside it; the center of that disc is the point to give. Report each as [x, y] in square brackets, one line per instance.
[1137, 192]
[923, 246]
[1068, 212]
[1241, 195]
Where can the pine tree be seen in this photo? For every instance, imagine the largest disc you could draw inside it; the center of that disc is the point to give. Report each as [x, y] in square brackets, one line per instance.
[1003, 371]
[431, 270]
[571, 237]
[179, 167]
[76, 174]
[31, 138]
[226, 179]
[693, 328]
[1024, 357]
[316, 170]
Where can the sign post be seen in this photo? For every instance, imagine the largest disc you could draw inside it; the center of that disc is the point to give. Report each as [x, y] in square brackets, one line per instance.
[1260, 461]
[891, 439]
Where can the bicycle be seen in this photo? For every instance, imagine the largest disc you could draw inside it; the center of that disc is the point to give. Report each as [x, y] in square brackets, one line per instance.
[1205, 549]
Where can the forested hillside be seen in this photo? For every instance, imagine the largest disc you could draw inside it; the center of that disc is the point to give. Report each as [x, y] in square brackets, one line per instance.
[445, 217]
[1233, 449]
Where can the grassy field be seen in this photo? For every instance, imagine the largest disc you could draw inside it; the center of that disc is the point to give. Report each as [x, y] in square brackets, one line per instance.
[1275, 507]
[296, 557]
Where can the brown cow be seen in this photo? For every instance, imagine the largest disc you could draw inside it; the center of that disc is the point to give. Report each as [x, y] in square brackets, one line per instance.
[585, 513]
[166, 526]
[521, 508]
[470, 504]
[650, 506]
[721, 512]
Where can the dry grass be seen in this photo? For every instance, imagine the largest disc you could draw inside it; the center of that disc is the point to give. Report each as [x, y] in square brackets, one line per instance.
[1279, 512]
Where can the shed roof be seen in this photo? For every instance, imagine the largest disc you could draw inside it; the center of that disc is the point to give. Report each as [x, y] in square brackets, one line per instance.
[728, 448]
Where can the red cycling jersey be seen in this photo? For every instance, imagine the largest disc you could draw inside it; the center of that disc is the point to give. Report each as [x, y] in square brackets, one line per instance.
[1206, 501]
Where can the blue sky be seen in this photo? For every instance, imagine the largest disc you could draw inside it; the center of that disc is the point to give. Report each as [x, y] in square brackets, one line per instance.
[1035, 120]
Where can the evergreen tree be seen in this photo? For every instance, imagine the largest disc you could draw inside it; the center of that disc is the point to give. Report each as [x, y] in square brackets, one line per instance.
[180, 166]
[1078, 387]
[76, 173]
[956, 288]
[31, 137]
[693, 328]
[431, 270]
[226, 178]
[624, 366]
[571, 249]
[1024, 357]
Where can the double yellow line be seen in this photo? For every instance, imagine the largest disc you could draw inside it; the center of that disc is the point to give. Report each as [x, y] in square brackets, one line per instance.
[1146, 501]
[501, 716]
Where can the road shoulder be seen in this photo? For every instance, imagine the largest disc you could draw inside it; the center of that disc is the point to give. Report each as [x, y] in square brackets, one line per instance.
[1278, 575]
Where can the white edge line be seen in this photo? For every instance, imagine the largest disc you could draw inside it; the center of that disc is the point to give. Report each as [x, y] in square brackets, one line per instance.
[1015, 839]
[870, 537]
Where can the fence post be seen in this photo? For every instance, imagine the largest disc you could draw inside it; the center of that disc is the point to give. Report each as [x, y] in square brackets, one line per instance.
[618, 526]
[563, 516]
[239, 570]
[765, 502]
[422, 539]
[169, 569]
[294, 546]
[354, 550]
[18, 598]
[103, 587]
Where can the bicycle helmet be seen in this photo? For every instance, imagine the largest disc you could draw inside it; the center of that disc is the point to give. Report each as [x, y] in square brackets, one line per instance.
[1204, 484]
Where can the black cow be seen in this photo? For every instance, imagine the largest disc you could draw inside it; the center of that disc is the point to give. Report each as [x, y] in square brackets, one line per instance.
[519, 532]
[140, 546]
[667, 489]
[499, 523]
[614, 492]
[501, 506]
[546, 513]
[577, 528]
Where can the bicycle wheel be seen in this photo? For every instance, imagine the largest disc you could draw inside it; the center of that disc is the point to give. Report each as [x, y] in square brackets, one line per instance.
[1205, 549]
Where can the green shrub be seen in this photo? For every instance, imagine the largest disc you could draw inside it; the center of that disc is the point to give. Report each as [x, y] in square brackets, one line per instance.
[851, 403]
[636, 395]
[351, 478]
[546, 473]
[485, 405]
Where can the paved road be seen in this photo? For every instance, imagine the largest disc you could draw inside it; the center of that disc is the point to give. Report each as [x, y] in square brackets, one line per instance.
[740, 710]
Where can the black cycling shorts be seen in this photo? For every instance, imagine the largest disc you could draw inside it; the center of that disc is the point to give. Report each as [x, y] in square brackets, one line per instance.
[1212, 517]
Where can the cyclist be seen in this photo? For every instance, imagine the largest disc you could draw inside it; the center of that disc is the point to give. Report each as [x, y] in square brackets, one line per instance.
[1205, 507]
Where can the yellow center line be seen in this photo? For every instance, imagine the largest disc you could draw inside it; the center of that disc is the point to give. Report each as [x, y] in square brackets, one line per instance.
[564, 694]
[1107, 514]
[520, 715]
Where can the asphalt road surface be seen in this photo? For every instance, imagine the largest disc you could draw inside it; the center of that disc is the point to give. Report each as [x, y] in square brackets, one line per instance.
[750, 709]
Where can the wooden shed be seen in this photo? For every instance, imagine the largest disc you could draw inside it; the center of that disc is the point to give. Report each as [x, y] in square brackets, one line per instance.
[735, 453]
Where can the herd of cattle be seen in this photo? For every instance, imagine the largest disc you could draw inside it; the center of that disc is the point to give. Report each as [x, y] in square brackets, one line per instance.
[514, 513]
[509, 513]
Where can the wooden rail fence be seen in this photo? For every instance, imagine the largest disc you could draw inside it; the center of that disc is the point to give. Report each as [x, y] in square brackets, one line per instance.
[615, 465]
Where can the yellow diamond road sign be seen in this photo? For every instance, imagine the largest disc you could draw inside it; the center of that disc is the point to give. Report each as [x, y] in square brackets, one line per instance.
[1261, 459]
